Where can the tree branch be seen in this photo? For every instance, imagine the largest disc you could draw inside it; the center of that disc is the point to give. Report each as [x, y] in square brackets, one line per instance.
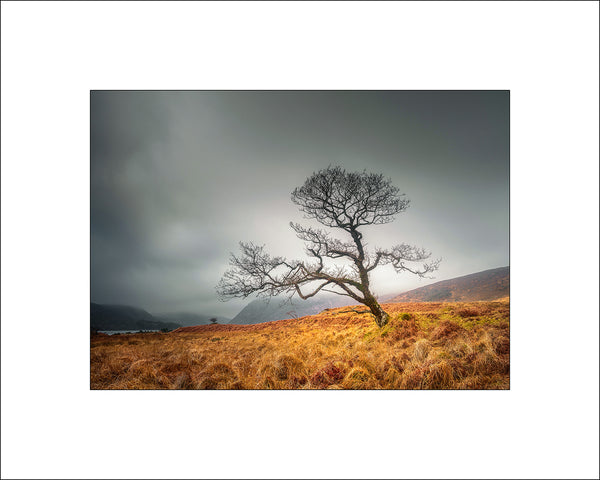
[255, 271]
[402, 253]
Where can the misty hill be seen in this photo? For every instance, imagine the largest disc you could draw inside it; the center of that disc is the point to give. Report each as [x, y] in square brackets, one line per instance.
[122, 317]
[267, 310]
[191, 319]
[481, 286]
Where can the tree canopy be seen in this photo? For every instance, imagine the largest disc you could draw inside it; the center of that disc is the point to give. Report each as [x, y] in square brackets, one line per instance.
[340, 200]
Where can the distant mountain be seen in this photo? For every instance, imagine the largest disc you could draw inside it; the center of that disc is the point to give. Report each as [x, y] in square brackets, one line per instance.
[191, 319]
[482, 286]
[267, 310]
[122, 317]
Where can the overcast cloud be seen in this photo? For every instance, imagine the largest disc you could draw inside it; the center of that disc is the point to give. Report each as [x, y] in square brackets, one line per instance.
[179, 178]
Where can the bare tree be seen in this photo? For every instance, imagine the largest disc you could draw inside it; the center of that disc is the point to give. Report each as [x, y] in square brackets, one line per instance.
[336, 199]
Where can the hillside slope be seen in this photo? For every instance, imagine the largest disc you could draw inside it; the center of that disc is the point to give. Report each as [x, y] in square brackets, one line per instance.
[268, 310]
[481, 286]
[122, 317]
[191, 319]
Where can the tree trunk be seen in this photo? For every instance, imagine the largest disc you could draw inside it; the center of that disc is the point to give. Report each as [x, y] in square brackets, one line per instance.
[381, 317]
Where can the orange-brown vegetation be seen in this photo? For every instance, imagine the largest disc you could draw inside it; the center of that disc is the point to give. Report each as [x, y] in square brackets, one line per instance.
[425, 346]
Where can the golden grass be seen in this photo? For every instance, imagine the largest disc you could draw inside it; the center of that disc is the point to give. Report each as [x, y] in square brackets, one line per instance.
[425, 346]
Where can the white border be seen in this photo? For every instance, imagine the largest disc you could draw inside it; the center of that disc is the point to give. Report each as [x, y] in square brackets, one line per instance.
[546, 53]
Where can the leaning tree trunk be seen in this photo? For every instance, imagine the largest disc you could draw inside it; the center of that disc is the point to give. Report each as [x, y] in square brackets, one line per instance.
[381, 317]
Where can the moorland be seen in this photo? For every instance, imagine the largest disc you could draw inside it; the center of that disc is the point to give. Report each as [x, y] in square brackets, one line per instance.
[426, 345]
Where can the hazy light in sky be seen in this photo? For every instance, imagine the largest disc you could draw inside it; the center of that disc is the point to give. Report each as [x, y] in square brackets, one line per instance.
[179, 178]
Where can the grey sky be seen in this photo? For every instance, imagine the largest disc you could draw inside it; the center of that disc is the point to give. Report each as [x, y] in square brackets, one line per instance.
[179, 178]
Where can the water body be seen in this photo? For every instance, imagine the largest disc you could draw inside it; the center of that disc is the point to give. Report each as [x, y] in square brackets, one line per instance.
[114, 332]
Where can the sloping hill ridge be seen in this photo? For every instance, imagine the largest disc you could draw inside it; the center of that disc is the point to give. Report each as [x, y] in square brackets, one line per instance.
[123, 317]
[488, 285]
[268, 310]
[190, 319]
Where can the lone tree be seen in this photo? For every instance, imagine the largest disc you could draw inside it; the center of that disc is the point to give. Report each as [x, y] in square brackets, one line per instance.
[213, 321]
[336, 199]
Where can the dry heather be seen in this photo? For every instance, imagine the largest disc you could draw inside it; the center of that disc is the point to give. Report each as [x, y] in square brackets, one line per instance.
[425, 346]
